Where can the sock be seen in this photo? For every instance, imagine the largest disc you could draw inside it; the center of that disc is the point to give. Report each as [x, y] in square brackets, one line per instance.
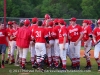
[64, 64]
[54, 60]
[88, 61]
[49, 60]
[74, 62]
[57, 61]
[2, 62]
[78, 61]
[97, 60]
[23, 62]
[32, 60]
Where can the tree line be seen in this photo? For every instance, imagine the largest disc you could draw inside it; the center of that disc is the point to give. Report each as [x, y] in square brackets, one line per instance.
[56, 8]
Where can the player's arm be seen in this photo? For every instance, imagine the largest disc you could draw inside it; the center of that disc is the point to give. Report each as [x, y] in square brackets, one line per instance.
[81, 35]
[47, 40]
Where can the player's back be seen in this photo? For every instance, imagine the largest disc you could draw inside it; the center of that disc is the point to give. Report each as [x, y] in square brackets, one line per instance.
[39, 34]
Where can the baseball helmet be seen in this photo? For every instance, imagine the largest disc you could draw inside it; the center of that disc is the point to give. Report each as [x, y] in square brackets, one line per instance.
[98, 21]
[10, 22]
[47, 16]
[35, 19]
[27, 22]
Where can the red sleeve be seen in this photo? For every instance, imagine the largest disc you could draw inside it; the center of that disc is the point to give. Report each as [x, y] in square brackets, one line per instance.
[94, 32]
[45, 33]
[89, 30]
[64, 32]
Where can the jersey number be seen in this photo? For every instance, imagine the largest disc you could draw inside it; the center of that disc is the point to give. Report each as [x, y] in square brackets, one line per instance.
[75, 33]
[38, 33]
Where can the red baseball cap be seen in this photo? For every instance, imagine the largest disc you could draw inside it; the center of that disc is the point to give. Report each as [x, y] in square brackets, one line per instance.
[98, 21]
[86, 21]
[73, 19]
[10, 23]
[50, 23]
[61, 21]
[35, 19]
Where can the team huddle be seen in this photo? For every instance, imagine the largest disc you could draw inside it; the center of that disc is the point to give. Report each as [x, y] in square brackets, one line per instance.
[49, 42]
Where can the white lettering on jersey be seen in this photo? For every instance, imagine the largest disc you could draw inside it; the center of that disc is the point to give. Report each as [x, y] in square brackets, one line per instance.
[38, 33]
[73, 30]
[1, 34]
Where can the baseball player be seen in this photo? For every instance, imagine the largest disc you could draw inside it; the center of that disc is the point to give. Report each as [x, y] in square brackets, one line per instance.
[55, 34]
[41, 37]
[32, 43]
[75, 36]
[13, 42]
[50, 51]
[87, 38]
[9, 34]
[3, 44]
[96, 39]
[23, 38]
[63, 42]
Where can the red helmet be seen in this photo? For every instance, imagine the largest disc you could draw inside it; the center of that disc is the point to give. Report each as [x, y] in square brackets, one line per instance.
[61, 21]
[27, 22]
[98, 21]
[50, 23]
[10, 23]
[90, 22]
[47, 16]
[55, 21]
[86, 21]
[35, 19]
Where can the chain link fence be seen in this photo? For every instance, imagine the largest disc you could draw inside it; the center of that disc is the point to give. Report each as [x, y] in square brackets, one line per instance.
[79, 21]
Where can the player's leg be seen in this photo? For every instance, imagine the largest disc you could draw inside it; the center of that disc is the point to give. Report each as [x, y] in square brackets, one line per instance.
[88, 66]
[72, 53]
[17, 58]
[57, 52]
[63, 55]
[13, 46]
[96, 55]
[9, 53]
[43, 54]
[25, 50]
[20, 56]
[77, 55]
[38, 55]
[33, 53]
[52, 53]
[3, 51]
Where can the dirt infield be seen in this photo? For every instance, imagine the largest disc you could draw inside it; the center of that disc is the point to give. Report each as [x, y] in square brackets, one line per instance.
[91, 52]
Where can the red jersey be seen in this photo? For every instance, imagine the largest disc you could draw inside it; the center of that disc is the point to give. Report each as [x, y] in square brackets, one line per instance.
[33, 27]
[86, 32]
[23, 37]
[13, 33]
[74, 32]
[49, 30]
[3, 35]
[63, 32]
[96, 32]
[9, 33]
[39, 35]
[56, 32]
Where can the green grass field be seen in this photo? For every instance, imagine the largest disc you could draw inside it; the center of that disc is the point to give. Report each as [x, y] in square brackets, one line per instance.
[14, 70]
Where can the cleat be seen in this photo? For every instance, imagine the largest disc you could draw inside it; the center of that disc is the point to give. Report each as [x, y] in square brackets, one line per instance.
[98, 68]
[88, 67]
[40, 69]
[78, 67]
